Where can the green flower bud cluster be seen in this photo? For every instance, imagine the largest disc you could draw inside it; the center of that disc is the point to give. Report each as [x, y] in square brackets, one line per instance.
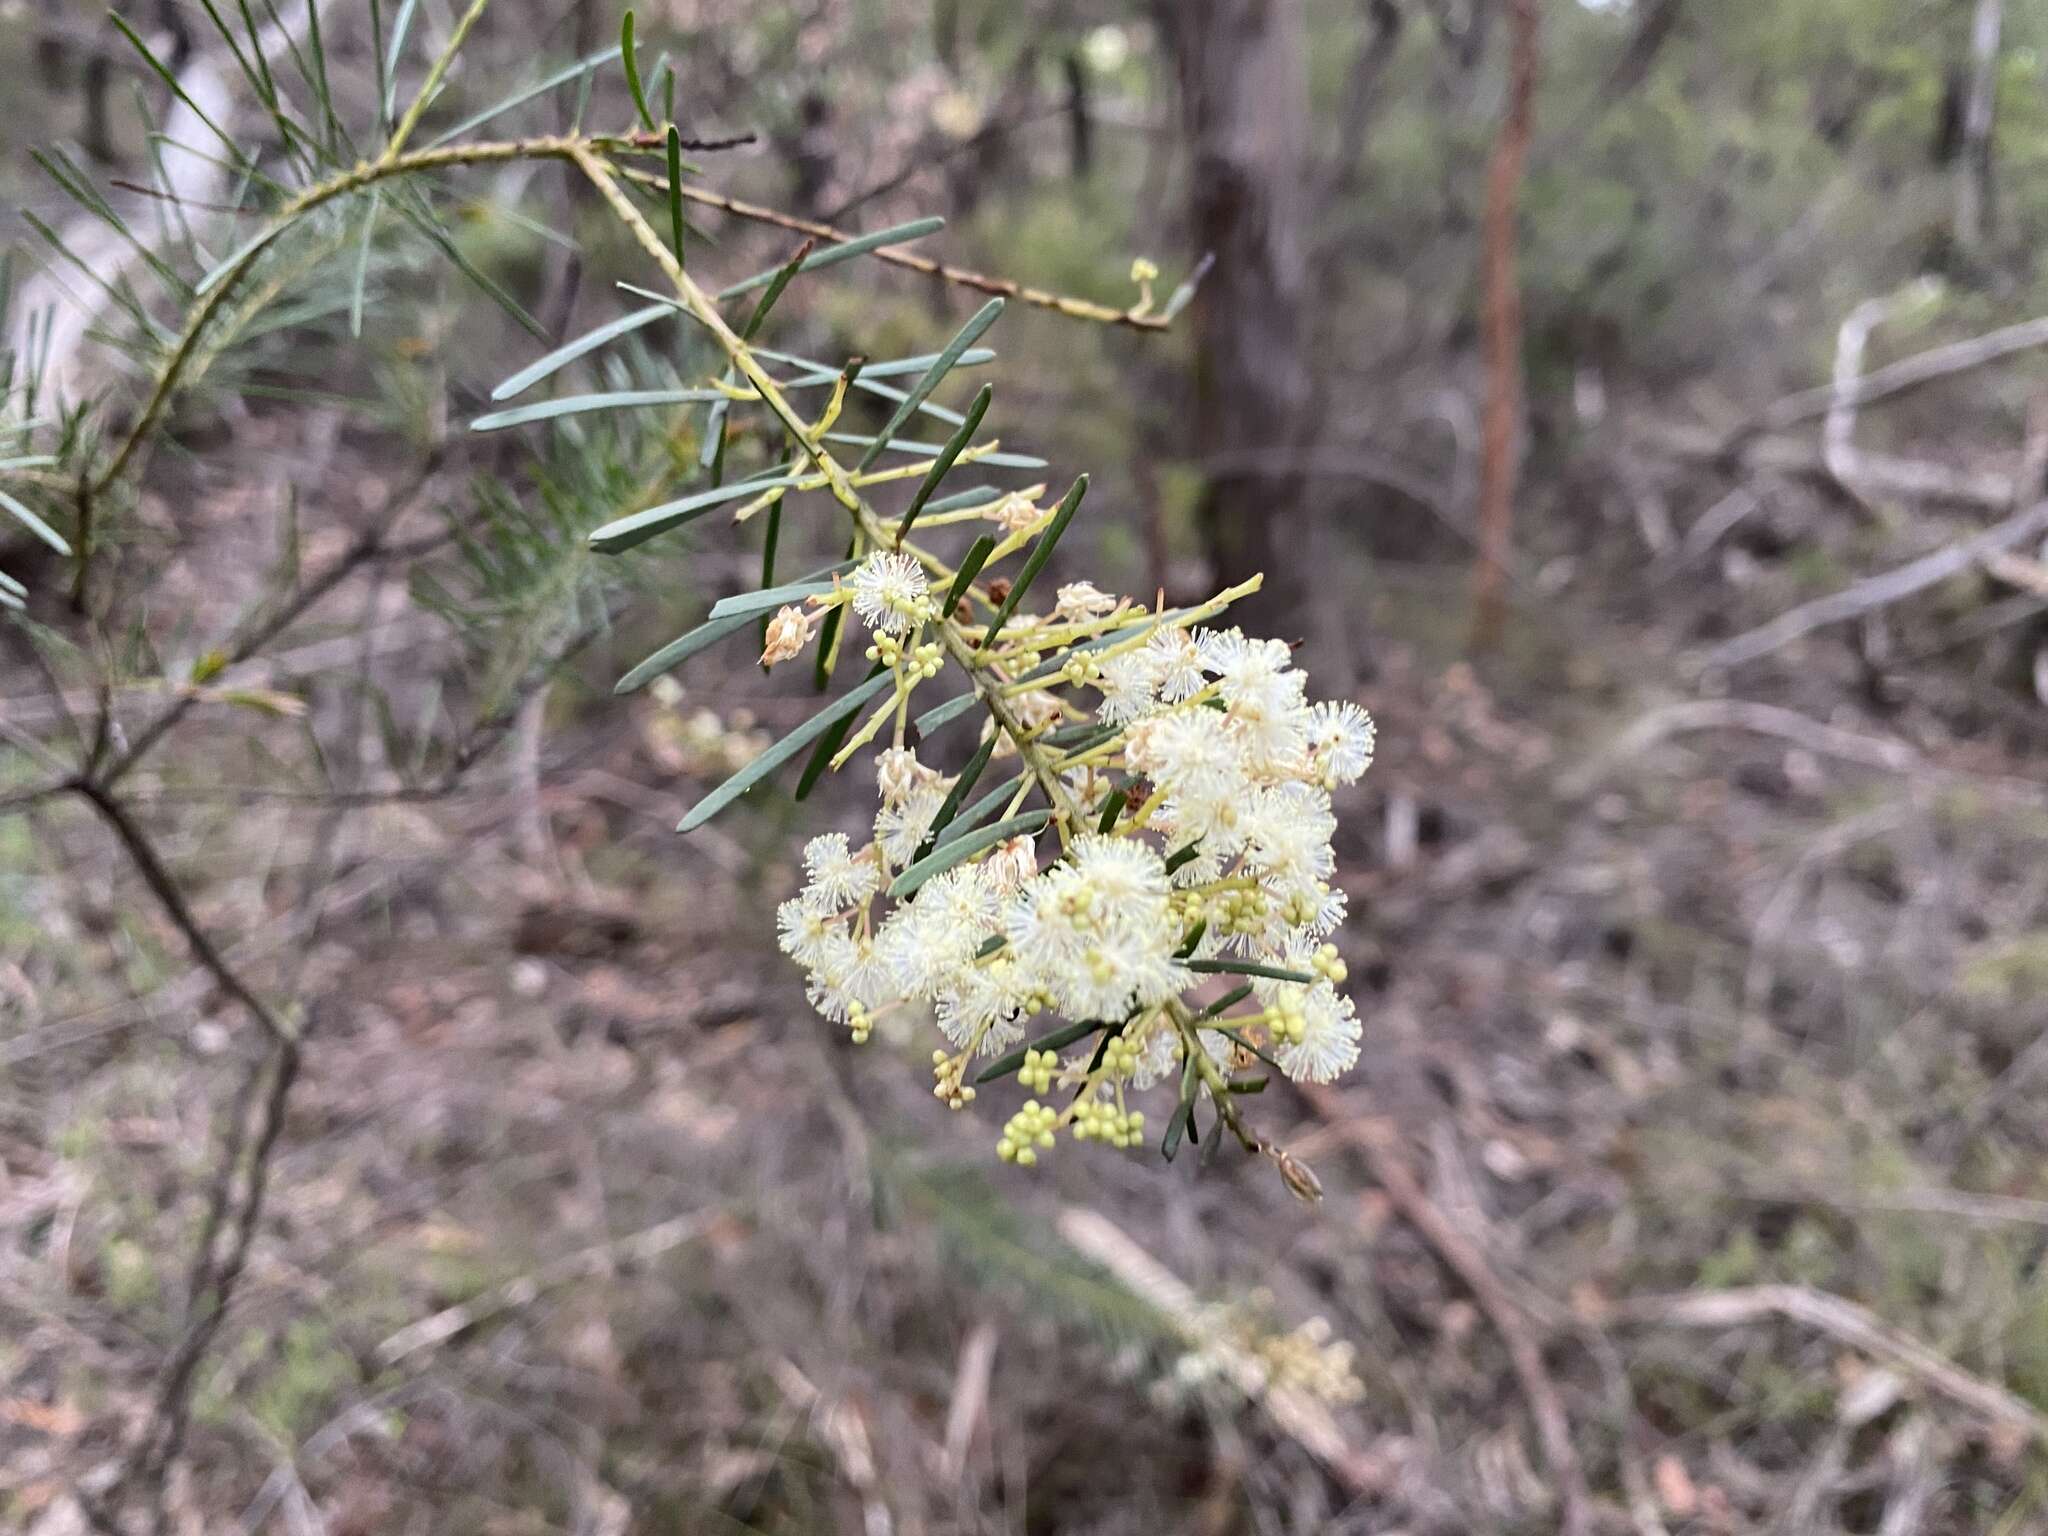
[1243, 911]
[1329, 965]
[1099, 1120]
[1287, 1017]
[1039, 1067]
[1029, 1132]
[861, 1022]
[1120, 1057]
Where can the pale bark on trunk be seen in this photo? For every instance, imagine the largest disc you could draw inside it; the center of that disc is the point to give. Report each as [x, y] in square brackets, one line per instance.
[1973, 175]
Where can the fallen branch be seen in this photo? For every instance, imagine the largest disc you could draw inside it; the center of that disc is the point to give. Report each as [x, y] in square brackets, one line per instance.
[1879, 591]
[1880, 475]
[1375, 1140]
[1888, 753]
[598, 1259]
[1908, 373]
[1296, 1414]
[1838, 431]
[1847, 1323]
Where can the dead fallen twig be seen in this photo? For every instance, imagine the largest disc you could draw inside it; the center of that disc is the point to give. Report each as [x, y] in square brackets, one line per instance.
[1906, 374]
[1846, 1323]
[1816, 736]
[1375, 1140]
[1838, 431]
[1296, 1414]
[639, 1247]
[1879, 475]
[1878, 591]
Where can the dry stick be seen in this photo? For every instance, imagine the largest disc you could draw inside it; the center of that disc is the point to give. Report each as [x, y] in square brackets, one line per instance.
[1908, 373]
[1880, 474]
[1816, 736]
[165, 888]
[1299, 1416]
[1501, 317]
[1838, 431]
[173, 1407]
[896, 256]
[368, 547]
[1878, 591]
[1847, 1323]
[587, 1263]
[1375, 1140]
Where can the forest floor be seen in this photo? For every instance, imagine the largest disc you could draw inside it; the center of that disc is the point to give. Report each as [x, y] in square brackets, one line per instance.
[1696, 1159]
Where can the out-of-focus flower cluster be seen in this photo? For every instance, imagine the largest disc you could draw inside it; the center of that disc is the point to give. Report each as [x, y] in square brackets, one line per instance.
[1181, 844]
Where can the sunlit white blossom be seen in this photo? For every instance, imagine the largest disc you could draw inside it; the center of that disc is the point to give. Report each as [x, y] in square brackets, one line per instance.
[888, 591]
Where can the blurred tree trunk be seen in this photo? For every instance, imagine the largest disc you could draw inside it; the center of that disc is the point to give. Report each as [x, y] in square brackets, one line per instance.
[1973, 178]
[1244, 104]
[1501, 325]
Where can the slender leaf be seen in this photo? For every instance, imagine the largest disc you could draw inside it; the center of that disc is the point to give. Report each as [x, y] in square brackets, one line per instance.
[842, 708]
[1225, 1003]
[828, 746]
[818, 373]
[675, 190]
[578, 405]
[749, 603]
[684, 646]
[989, 804]
[678, 651]
[399, 29]
[626, 532]
[1183, 1121]
[943, 464]
[907, 445]
[1055, 1040]
[942, 365]
[950, 806]
[959, 849]
[362, 274]
[1249, 968]
[582, 66]
[569, 351]
[630, 57]
[845, 250]
[34, 524]
[769, 540]
[1035, 561]
[1116, 803]
[977, 556]
[939, 716]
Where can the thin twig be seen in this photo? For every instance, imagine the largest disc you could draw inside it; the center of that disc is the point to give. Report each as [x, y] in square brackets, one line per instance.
[896, 256]
[1375, 1141]
[1878, 591]
[1847, 1323]
[639, 1247]
[165, 888]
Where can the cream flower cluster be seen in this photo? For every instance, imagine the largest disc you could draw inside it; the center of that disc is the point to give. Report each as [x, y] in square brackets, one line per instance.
[1188, 847]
